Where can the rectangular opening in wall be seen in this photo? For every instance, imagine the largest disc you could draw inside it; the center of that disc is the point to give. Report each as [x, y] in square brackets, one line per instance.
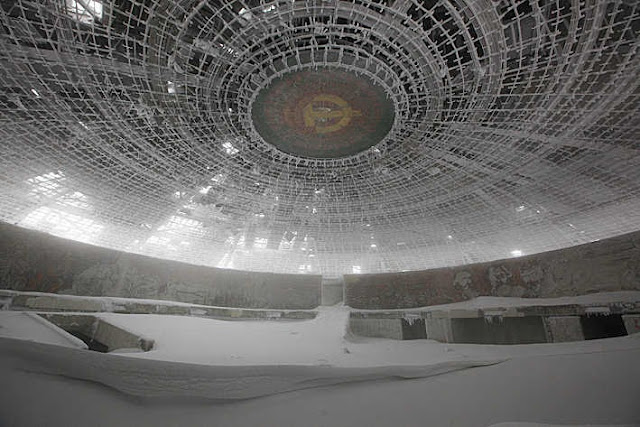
[98, 334]
[602, 326]
[495, 330]
[413, 329]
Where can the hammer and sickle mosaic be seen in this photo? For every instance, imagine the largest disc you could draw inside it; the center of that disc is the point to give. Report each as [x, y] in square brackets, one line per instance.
[328, 113]
[322, 113]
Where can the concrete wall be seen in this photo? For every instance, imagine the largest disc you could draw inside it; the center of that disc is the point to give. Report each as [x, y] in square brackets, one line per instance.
[499, 330]
[439, 329]
[604, 266]
[374, 327]
[564, 328]
[34, 261]
[632, 323]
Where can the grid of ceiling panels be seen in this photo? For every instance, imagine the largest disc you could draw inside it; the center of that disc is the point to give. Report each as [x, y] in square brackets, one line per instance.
[127, 124]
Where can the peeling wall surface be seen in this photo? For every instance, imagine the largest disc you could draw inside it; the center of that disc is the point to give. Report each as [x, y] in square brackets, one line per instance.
[33, 261]
[603, 266]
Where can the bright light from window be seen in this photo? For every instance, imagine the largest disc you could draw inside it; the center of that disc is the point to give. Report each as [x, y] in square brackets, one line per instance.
[63, 224]
[174, 233]
[231, 51]
[516, 252]
[260, 243]
[75, 199]
[226, 261]
[181, 224]
[86, 11]
[229, 148]
[219, 178]
[48, 184]
[356, 269]
[245, 16]
[304, 268]
[157, 240]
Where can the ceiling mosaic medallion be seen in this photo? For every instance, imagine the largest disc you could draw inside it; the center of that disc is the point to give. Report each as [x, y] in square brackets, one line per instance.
[323, 113]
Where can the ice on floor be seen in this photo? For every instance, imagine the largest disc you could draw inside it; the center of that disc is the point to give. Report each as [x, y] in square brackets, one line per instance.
[205, 372]
[31, 327]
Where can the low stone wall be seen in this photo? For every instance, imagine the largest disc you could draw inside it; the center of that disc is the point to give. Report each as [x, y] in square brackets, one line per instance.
[604, 266]
[43, 302]
[34, 261]
[525, 324]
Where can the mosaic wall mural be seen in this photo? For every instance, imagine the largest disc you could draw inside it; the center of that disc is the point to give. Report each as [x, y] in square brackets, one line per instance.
[33, 261]
[604, 266]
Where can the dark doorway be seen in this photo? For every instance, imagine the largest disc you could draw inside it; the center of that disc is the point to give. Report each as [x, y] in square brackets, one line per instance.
[90, 342]
[595, 327]
[414, 330]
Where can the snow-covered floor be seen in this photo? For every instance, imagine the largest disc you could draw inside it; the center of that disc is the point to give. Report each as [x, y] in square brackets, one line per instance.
[322, 341]
[206, 372]
[593, 388]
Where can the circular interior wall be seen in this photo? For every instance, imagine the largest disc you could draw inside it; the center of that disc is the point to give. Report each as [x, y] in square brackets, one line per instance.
[323, 113]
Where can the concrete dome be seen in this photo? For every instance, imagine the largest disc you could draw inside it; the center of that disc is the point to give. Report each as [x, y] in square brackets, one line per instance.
[322, 136]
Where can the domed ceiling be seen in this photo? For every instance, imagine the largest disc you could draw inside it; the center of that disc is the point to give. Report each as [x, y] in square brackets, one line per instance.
[322, 136]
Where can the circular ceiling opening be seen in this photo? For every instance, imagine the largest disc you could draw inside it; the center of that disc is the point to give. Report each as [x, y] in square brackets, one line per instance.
[323, 113]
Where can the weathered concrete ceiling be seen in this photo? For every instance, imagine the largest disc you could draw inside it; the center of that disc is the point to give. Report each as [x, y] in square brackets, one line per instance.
[512, 127]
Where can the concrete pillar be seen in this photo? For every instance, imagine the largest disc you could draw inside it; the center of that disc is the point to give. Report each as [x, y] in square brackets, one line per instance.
[632, 323]
[564, 328]
[117, 338]
[380, 328]
[439, 329]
